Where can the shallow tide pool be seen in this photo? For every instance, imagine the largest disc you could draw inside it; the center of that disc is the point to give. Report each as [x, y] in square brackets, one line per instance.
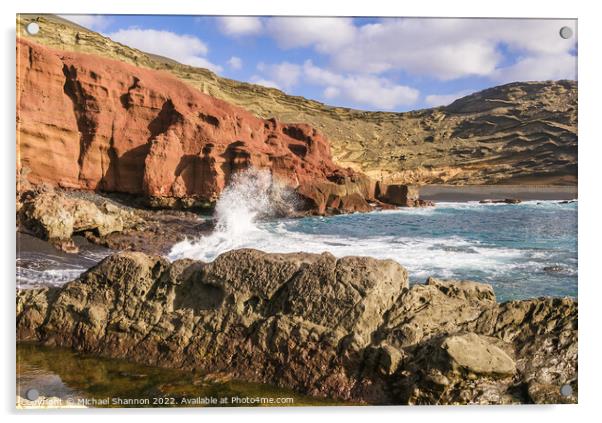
[83, 379]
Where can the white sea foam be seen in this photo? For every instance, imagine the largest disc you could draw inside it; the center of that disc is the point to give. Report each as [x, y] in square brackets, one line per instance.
[247, 199]
[422, 256]
[250, 196]
[32, 278]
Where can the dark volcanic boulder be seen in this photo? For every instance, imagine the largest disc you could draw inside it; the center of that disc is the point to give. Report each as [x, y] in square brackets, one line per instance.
[347, 328]
[291, 319]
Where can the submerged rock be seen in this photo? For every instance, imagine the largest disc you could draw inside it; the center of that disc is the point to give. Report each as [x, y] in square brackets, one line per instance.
[554, 269]
[348, 328]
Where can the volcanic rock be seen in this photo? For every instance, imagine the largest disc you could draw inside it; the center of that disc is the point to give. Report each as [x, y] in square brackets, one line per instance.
[87, 122]
[400, 195]
[347, 328]
[517, 133]
[475, 354]
[55, 217]
[502, 201]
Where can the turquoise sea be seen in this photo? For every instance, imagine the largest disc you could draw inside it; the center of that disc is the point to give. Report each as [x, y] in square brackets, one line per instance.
[524, 250]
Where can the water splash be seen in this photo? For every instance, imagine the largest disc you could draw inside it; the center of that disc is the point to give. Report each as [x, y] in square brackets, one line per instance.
[251, 196]
[452, 240]
[243, 201]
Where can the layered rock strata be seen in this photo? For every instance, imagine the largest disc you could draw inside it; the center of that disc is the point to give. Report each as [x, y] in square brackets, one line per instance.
[518, 133]
[87, 122]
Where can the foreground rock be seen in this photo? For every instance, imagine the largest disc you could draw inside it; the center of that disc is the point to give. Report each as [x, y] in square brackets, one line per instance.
[347, 328]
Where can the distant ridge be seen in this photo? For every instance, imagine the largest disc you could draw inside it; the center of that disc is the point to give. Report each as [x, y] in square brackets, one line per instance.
[518, 133]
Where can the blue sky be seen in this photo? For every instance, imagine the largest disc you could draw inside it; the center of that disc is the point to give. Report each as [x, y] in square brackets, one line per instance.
[393, 64]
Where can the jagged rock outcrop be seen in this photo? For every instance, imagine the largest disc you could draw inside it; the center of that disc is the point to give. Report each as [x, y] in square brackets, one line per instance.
[518, 133]
[55, 217]
[400, 195]
[347, 328]
[58, 215]
[87, 122]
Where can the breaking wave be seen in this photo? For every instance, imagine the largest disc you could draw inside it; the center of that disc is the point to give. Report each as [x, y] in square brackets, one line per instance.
[251, 196]
[506, 245]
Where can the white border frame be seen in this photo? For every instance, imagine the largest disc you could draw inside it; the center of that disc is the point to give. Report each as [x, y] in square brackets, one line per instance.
[590, 155]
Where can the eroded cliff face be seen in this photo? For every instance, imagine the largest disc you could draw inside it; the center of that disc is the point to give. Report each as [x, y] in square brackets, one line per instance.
[349, 328]
[519, 133]
[87, 122]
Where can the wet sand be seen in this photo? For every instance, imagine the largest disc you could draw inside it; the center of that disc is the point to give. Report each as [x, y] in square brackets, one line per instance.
[483, 192]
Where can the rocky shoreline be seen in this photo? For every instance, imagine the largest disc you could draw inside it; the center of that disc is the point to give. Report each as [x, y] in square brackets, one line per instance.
[126, 222]
[349, 329]
[117, 223]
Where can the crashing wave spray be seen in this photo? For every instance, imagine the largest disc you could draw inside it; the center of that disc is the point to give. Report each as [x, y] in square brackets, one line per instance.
[250, 196]
[244, 200]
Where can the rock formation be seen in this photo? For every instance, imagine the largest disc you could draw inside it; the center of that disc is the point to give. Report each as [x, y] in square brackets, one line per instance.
[58, 215]
[87, 122]
[348, 328]
[55, 217]
[504, 201]
[400, 195]
[518, 133]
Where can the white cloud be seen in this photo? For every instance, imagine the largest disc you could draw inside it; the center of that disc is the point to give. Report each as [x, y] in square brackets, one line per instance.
[235, 62]
[186, 49]
[240, 25]
[360, 89]
[325, 34]
[265, 82]
[449, 48]
[539, 68]
[332, 92]
[285, 74]
[445, 49]
[366, 90]
[94, 22]
[445, 99]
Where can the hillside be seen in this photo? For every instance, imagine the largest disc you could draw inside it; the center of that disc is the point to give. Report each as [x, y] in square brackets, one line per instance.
[519, 133]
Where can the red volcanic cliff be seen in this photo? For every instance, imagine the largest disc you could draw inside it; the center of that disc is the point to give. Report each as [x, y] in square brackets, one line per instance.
[92, 123]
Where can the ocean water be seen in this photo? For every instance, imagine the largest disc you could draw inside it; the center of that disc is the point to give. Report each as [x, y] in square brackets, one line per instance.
[524, 250]
[39, 264]
[511, 246]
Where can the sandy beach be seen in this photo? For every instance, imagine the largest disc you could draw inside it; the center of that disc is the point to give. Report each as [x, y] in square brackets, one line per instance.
[482, 192]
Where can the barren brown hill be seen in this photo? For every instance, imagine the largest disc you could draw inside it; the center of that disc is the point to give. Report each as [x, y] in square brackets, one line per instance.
[519, 133]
